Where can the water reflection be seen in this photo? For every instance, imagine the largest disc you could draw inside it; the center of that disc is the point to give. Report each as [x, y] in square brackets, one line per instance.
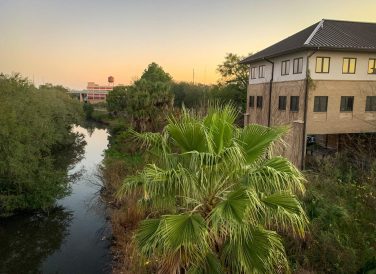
[91, 126]
[86, 248]
[74, 236]
[28, 240]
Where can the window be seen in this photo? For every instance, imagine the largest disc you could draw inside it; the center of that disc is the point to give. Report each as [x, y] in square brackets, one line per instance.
[349, 65]
[285, 68]
[347, 103]
[322, 64]
[251, 101]
[259, 102]
[253, 73]
[320, 104]
[371, 103]
[282, 102]
[372, 66]
[298, 65]
[294, 103]
[261, 71]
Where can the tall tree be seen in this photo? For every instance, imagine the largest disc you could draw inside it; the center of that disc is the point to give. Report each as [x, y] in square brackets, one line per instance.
[216, 197]
[232, 72]
[155, 73]
[149, 98]
[117, 99]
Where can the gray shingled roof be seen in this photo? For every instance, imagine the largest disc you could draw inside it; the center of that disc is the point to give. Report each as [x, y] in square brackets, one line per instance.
[326, 35]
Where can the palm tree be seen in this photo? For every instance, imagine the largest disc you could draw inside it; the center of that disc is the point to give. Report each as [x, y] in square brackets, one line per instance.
[216, 196]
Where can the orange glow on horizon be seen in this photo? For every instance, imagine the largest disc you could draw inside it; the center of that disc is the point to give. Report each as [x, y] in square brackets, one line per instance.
[75, 42]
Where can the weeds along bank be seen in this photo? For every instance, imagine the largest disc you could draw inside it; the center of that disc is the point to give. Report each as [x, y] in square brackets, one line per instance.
[122, 159]
[35, 136]
[340, 204]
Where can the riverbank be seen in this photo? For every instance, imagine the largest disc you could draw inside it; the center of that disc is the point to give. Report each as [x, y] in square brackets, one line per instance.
[74, 236]
[35, 135]
[340, 202]
[122, 158]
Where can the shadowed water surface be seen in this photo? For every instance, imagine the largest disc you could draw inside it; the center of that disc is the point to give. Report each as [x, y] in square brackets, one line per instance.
[71, 238]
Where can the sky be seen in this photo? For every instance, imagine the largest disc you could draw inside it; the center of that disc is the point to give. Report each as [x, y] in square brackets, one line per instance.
[72, 42]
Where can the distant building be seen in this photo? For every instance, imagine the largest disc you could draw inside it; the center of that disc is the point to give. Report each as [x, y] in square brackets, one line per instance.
[96, 93]
[321, 81]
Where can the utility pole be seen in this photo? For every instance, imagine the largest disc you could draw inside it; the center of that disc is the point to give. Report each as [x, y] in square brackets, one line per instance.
[193, 76]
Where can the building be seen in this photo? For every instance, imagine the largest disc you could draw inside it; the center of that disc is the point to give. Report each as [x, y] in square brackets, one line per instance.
[95, 93]
[321, 81]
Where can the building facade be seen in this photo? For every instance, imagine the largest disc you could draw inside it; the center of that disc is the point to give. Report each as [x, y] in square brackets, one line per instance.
[95, 93]
[320, 81]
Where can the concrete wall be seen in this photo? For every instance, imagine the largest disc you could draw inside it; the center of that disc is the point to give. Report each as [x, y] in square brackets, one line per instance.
[258, 115]
[288, 89]
[335, 122]
[293, 144]
[294, 139]
[278, 117]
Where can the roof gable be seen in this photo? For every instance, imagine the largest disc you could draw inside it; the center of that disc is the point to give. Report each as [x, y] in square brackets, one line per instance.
[354, 35]
[326, 34]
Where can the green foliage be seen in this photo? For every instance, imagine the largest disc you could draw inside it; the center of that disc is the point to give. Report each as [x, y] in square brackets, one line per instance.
[145, 103]
[231, 88]
[35, 126]
[233, 72]
[215, 197]
[49, 86]
[117, 99]
[230, 94]
[155, 73]
[190, 95]
[341, 204]
[88, 110]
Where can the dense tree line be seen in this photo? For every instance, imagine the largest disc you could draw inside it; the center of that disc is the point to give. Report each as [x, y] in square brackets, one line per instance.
[147, 99]
[35, 127]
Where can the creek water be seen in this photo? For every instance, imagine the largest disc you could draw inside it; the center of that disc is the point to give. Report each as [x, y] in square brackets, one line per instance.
[73, 237]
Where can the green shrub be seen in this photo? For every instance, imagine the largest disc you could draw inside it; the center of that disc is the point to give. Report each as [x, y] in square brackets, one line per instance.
[341, 204]
[35, 126]
[88, 109]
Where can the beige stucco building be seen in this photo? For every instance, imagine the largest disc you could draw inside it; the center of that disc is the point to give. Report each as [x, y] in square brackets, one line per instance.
[321, 81]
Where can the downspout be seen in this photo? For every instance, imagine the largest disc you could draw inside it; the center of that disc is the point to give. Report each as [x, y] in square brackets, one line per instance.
[270, 91]
[305, 109]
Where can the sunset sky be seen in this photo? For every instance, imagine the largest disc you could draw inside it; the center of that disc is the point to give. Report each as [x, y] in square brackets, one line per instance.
[72, 42]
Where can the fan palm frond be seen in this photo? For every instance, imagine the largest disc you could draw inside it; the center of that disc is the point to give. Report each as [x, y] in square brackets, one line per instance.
[256, 140]
[284, 212]
[223, 189]
[186, 234]
[256, 250]
[275, 174]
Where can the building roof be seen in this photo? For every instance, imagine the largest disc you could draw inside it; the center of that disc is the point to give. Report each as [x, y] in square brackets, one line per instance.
[327, 35]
